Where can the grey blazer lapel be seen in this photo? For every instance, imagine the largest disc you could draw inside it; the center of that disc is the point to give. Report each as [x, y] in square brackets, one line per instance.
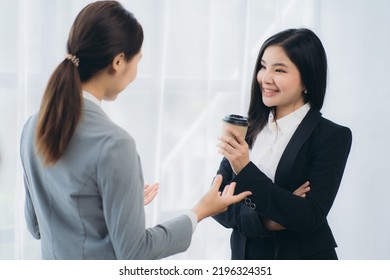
[303, 132]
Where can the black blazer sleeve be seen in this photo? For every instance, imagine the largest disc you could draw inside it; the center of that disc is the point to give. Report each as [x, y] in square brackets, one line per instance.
[321, 160]
[239, 216]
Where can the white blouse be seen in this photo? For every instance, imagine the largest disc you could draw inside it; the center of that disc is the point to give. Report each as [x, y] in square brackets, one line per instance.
[89, 96]
[272, 140]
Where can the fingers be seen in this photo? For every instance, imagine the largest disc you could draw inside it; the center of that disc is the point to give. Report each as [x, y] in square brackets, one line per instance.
[228, 190]
[231, 143]
[302, 190]
[150, 197]
[228, 143]
[228, 193]
[214, 201]
[236, 153]
[150, 188]
[304, 185]
[227, 146]
[302, 193]
[150, 192]
[216, 183]
[241, 196]
[238, 136]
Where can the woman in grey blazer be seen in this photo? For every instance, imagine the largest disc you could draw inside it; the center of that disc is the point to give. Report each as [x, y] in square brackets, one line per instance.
[82, 174]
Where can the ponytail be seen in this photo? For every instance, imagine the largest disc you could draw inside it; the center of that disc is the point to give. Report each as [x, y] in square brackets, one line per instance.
[59, 113]
[101, 31]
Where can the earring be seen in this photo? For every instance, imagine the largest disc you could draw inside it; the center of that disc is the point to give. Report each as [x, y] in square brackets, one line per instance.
[305, 91]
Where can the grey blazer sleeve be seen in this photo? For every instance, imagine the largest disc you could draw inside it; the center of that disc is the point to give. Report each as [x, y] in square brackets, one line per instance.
[30, 215]
[121, 186]
[29, 211]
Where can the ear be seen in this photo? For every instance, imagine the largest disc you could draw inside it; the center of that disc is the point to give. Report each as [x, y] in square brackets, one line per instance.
[118, 62]
[304, 89]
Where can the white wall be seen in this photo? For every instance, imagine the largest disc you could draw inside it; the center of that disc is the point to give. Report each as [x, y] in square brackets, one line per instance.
[357, 39]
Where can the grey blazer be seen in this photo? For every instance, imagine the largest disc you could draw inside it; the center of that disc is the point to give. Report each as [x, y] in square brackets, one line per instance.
[89, 205]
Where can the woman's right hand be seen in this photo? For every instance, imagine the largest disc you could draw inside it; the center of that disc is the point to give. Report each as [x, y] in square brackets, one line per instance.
[235, 149]
[301, 191]
[214, 202]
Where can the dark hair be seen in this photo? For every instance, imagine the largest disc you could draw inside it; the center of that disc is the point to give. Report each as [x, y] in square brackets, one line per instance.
[101, 31]
[305, 50]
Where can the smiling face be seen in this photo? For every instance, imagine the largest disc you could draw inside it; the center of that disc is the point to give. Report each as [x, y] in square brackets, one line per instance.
[280, 82]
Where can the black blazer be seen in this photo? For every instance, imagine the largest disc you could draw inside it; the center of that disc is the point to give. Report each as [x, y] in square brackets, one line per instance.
[317, 152]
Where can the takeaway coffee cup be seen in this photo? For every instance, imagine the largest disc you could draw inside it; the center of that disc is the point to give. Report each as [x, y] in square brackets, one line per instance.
[235, 122]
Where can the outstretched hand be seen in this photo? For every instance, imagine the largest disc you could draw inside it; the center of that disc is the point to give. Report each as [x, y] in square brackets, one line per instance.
[150, 192]
[214, 202]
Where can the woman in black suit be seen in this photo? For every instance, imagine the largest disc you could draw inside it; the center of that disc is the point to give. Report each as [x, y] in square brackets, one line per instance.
[288, 143]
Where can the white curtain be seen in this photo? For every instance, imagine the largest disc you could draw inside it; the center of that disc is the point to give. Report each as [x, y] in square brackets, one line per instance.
[197, 65]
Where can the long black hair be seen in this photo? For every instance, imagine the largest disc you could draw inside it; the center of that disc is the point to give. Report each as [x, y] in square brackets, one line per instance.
[305, 50]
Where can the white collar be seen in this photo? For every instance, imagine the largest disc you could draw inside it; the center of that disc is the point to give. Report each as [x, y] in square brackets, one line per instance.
[290, 121]
[89, 96]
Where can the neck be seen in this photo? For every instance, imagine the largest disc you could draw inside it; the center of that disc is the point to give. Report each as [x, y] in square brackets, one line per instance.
[95, 86]
[93, 91]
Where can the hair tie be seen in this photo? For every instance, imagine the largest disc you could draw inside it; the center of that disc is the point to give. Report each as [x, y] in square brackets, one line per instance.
[75, 60]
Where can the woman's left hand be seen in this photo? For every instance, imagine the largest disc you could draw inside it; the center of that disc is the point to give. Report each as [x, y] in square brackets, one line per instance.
[235, 149]
[150, 192]
[301, 191]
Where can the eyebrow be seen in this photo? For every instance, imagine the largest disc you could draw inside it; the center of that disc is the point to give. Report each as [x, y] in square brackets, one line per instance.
[276, 64]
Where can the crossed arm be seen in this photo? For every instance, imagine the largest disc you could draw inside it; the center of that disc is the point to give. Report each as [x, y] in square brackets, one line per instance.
[328, 151]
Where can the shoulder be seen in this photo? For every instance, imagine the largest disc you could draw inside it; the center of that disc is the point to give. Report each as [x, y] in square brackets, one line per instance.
[116, 142]
[26, 139]
[98, 134]
[328, 126]
[97, 124]
[28, 131]
[322, 125]
[30, 123]
[328, 132]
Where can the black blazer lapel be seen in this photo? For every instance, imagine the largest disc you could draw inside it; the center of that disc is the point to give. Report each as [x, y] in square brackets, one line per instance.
[304, 130]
